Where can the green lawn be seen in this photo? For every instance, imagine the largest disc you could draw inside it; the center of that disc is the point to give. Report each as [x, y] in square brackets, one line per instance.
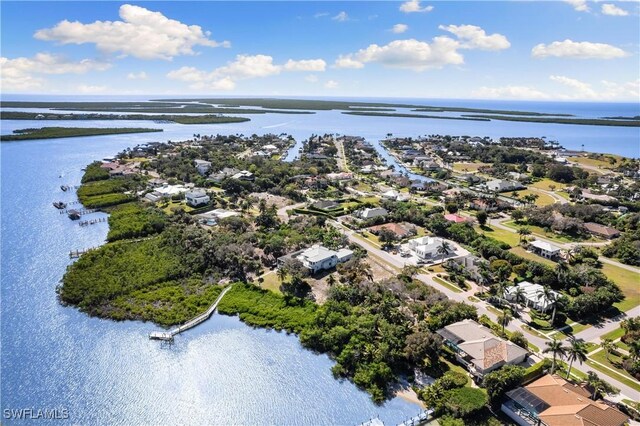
[613, 335]
[570, 331]
[468, 167]
[448, 284]
[542, 200]
[629, 283]
[520, 251]
[537, 230]
[619, 373]
[271, 282]
[503, 235]
[546, 184]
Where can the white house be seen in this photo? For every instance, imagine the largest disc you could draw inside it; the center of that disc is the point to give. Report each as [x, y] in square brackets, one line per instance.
[244, 175]
[501, 185]
[371, 213]
[545, 249]
[197, 197]
[317, 258]
[424, 248]
[202, 166]
[532, 295]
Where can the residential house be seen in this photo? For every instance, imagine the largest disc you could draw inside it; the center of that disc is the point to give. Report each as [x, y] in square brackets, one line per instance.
[601, 230]
[223, 174]
[153, 197]
[400, 230]
[478, 349]
[544, 249]
[452, 217]
[197, 197]
[202, 166]
[244, 175]
[485, 204]
[368, 213]
[501, 185]
[317, 258]
[553, 401]
[469, 264]
[339, 176]
[424, 248]
[325, 205]
[532, 294]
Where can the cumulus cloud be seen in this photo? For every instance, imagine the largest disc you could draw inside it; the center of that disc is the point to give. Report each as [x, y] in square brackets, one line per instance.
[244, 67]
[577, 50]
[305, 65]
[331, 84]
[474, 37]
[581, 89]
[399, 28]
[341, 17]
[613, 10]
[24, 73]
[413, 6]
[347, 61]
[579, 5]
[137, 75]
[141, 33]
[509, 92]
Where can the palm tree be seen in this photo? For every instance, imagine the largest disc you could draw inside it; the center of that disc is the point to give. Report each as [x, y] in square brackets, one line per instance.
[282, 273]
[576, 352]
[523, 232]
[444, 249]
[331, 280]
[549, 296]
[505, 318]
[634, 350]
[518, 295]
[561, 270]
[556, 349]
[607, 346]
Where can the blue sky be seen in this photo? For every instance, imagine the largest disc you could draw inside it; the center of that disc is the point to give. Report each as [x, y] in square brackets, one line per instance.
[565, 50]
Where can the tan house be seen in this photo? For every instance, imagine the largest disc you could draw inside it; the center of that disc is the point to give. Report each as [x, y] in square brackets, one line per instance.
[601, 230]
[553, 401]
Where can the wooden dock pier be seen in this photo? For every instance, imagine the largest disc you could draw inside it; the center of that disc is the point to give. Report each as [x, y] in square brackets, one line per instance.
[419, 419]
[92, 221]
[169, 335]
[74, 254]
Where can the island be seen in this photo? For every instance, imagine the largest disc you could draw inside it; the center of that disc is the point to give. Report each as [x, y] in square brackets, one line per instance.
[70, 132]
[180, 119]
[384, 272]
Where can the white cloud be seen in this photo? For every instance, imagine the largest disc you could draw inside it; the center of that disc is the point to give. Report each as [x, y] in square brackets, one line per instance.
[581, 89]
[21, 74]
[347, 61]
[579, 5]
[399, 28]
[142, 33]
[473, 37]
[628, 91]
[305, 65]
[413, 6]
[509, 92]
[613, 10]
[321, 15]
[341, 17]
[331, 84]
[411, 54]
[137, 75]
[85, 88]
[578, 50]
[311, 78]
[244, 67]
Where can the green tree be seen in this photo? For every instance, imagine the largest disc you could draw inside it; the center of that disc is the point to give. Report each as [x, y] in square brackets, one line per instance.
[464, 402]
[607, 346]
[505, 318]
[549, 296]
[577, 351]
[523, 232]
[501, 381]
[444, 249]
[556, 349]
[482, 217]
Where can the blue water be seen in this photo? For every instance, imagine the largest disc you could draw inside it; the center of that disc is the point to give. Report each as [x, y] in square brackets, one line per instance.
[221, 372]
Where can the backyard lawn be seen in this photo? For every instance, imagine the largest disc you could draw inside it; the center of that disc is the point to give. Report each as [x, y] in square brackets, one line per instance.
[468, 167]
[619, 373]
[546, 184]
[542, 200]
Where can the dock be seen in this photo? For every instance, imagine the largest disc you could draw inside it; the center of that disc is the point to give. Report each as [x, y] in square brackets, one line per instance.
[92, 221]
[74, 254]
[418, 419]
[169, 335]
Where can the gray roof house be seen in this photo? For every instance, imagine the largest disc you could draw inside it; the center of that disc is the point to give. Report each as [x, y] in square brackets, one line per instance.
[371, 213]
[203, 166]
[197, 197]
[480, 350]
[317, 258]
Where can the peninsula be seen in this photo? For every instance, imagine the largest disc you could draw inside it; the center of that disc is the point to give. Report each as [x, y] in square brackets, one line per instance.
[70, 132]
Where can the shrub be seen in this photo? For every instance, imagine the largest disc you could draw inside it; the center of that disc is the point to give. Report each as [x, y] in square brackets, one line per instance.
[465, 401]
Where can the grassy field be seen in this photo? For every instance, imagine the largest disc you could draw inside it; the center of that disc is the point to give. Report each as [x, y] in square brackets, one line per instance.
[172, 205]
[468, 167]
[619, 373]
[593, 162]
[271, 282]
[629, 283]
[503, 235]
[447, 284]
[542, 200]
[520, 251]
[70, 132]
[537, 230]
[546, 184]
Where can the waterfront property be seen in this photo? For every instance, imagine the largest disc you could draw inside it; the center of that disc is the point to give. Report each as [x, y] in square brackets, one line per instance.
[553, 401]
[317, 258]
[532, 294]
[197, 197]
[478, 349]
[365, 214]
[544, 249]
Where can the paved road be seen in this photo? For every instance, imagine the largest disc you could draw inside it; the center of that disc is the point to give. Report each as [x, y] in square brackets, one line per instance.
[282, 211]
[591, 334]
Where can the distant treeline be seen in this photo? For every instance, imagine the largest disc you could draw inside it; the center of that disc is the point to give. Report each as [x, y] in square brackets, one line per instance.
[69, 132]
[180, 119]
[560, 120]
[404, 115]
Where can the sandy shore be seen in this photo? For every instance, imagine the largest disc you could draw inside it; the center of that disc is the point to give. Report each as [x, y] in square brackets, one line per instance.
[409, 395]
